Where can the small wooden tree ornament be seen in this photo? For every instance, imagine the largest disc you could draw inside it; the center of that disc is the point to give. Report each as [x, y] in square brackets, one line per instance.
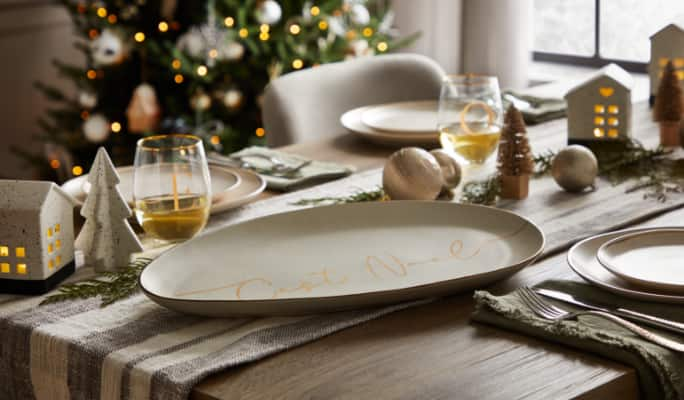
[668, 107]
[106, 239]
[515, 162]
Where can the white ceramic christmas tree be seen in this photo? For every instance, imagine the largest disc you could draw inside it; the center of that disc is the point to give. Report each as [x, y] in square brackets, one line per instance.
[106, 239]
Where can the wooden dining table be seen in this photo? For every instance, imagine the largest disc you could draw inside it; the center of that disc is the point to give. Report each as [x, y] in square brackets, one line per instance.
[434, 350]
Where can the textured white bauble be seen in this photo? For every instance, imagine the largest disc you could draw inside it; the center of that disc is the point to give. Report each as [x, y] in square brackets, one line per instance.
[107, 49]
[269, 12]
[87, 99]
[412, 174]
[200, 101]
[359, 14]
[451, 169]
[574, 168]
[232, 51]
[232, 99]
[96, 128]
[192, 42]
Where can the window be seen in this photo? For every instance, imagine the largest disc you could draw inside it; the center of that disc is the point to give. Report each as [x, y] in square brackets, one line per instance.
[4, 268]
[597, 32]
[49, 232]
[21, 269]
[58, 228]
[20, 252]
[4, 251]
[58, 243]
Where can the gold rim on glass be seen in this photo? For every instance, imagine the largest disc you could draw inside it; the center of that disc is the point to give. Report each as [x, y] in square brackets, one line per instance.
[142, 143]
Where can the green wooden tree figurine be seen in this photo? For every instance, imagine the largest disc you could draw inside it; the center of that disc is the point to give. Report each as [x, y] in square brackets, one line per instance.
[668, 107]
[515, 161]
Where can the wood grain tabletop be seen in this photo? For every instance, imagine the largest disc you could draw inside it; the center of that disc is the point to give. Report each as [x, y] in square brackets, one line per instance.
[433, 351]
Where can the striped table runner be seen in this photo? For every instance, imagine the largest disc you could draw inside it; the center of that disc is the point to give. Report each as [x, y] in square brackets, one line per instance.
[135, 349]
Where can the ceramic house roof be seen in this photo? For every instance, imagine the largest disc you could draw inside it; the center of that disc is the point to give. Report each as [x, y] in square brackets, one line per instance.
[612, 71]
[678, 24]
[28, 195]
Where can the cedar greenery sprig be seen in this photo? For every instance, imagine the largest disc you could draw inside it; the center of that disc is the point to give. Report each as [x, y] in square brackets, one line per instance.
[109, 286]
[377, 194]
[482, 192]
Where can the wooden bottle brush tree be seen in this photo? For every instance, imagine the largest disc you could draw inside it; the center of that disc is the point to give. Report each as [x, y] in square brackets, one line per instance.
[668, 107]
[515, 162]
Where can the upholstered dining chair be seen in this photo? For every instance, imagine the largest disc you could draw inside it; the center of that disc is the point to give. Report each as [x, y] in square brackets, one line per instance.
[306, 105]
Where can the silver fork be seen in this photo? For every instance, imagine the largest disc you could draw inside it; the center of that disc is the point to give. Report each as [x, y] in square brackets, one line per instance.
[548, 311]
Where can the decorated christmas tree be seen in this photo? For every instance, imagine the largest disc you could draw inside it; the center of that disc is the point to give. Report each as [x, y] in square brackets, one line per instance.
[191, 66]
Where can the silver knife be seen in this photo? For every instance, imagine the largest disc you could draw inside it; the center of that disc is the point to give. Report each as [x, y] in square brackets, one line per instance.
[635, 316]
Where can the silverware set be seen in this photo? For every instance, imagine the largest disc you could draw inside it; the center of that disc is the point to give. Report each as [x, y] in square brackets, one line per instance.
[277, 167]
[548, 311]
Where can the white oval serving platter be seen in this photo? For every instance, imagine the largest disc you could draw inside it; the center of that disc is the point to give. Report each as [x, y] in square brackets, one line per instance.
[339, 257]
[652, 258]
[231, 187]
[352, 121]
[582, 259]
[403, 117]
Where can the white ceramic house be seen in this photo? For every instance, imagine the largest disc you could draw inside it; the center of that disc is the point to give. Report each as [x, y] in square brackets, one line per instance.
[666, 44]
[36, 236]
[600, 108]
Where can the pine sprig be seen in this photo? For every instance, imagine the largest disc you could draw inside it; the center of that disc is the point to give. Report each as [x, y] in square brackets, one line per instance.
[109, 286]
[542, 162]
[377, 194]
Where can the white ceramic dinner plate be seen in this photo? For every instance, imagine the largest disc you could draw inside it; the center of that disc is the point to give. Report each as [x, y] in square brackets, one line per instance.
[582, 259]
[403, 117]
[231, 187]
[338, 257]
[653, 258]
[352, 121]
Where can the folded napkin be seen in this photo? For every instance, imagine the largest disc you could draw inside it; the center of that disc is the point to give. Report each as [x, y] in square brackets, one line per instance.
[660, 371]
[317, 171]
[535, 110]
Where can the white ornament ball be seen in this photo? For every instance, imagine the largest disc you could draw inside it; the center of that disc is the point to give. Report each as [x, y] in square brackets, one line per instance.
[232, 99]
[96, 128]
[107, 49]
[192, 42]
[87, 99]
[574, 168]
[232, 51]
[451, 169]
[359, 14]
[412, 174]
[269, 12]
[200, 101]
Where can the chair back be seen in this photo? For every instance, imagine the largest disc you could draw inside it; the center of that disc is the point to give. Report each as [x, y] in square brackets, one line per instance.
[307, 105]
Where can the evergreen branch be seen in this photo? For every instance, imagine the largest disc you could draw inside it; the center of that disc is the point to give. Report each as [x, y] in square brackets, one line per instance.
[109, 286]
[483, 192]
[543, 162]
[377, 194]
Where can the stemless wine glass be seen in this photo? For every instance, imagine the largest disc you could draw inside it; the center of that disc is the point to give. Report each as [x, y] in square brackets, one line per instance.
[171, 187]
[470, 116]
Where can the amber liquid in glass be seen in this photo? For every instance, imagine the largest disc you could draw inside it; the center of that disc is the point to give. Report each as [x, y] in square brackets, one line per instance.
[172, 218]
[475, 146]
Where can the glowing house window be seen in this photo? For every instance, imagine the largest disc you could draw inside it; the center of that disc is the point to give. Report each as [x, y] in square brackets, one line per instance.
[58, 260]
[599, 132]
[4, 251]
[20, 252]
[21, 269]
[613, 133]
[613, 109]
[599, 109]
[49, 232]
[678, 62]
[50, 248]
[599, 121]
[4, 268]
[58, 243]
[612, 121]
[51, 264]
[58, 228]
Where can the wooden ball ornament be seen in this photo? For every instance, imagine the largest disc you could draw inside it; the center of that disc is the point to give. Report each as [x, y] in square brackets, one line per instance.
[574, 168]
[451, 169]
[412, 174]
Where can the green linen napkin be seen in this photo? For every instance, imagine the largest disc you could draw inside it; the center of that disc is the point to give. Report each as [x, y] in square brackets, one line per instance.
[660, 371]
[316, 172]
[535, 110]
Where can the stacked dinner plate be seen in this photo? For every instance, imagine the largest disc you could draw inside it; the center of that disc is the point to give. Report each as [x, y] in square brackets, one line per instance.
[412, 123]
[230, 187]
[644, 264]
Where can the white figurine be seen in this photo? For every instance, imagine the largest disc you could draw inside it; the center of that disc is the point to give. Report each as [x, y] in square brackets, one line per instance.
[36, 236]
[106, 239]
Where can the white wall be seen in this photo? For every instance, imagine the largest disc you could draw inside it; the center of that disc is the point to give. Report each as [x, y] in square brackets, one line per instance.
[441, 27]
[32, 33]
